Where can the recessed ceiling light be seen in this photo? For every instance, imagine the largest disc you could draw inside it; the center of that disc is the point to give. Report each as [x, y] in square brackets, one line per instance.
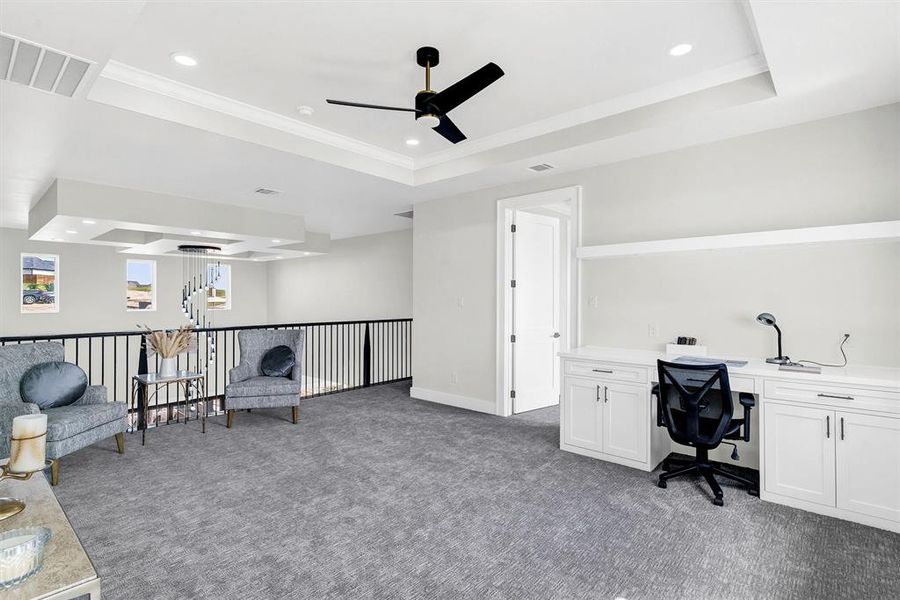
[305, 110]
[196, 233]
[88, 222]
[71, 231]
[276, 241]
[185, 60]
[277, 257]
[412, 142]
[680, 49]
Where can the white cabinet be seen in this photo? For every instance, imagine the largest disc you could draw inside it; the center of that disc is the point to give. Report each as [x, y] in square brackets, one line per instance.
[605, 418]
[847, 463]
[868, 465]
[625, 419]
[800, 452]
[581, 413]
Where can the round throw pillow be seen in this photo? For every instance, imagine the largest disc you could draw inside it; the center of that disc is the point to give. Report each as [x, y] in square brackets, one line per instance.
[278, 362]
[53, 384]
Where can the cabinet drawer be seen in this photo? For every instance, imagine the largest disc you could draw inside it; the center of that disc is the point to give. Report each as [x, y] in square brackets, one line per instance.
[608, 371]
[836, 396]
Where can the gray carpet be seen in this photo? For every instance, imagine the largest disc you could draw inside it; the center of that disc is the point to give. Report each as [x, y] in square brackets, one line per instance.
[374, 495]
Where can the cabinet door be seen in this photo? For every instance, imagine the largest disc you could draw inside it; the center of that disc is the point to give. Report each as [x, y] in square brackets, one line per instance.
[581, 413]
[625, 420]
[868, 465]
[800, 447]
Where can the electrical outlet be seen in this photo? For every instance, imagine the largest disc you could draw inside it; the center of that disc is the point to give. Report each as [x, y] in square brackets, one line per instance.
[653, 330]
[594, 301]
[460, 301]
[453, 378]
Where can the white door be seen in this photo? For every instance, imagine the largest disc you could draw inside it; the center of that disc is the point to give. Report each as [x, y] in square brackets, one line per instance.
[800, 452]
[626, 420]
[536, 311]
[868, 465]
[581, 413]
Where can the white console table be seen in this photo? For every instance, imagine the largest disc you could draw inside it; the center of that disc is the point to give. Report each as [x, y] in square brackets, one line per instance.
[829, 442]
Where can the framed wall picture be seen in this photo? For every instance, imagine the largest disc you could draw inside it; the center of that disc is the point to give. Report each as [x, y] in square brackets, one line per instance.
[40, 283]
[140, 286]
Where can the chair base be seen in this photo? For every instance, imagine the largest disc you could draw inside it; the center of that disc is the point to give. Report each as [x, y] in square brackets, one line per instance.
[229, 416]
[703, 466]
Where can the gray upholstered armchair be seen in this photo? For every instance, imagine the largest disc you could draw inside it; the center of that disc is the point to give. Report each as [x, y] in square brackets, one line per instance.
[69, 428]
[249, 388]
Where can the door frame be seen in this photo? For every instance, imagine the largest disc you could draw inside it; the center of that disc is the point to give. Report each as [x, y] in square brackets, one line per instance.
[572, 292]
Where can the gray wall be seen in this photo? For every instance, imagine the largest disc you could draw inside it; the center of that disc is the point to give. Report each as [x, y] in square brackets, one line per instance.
[367, 277]
[845, 169]
[92, 290]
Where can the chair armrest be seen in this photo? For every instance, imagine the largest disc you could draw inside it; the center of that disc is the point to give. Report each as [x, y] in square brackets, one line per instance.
[654, 391]
[239, 373]
[748, 402]
[8, 412]
[95, 394]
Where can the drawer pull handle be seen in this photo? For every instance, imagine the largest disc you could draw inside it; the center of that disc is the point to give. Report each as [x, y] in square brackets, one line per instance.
[828, 426]
[605, 394]
[842, 428]
[835, 397]
[600, 371]
[598, 392]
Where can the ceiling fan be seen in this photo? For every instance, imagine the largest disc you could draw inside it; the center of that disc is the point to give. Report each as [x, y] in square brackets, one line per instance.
[432, 107]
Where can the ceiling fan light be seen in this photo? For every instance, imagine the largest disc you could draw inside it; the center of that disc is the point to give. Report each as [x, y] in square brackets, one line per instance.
[428, 120]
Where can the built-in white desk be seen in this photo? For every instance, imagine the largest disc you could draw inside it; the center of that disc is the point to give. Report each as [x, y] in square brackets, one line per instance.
[828, 443]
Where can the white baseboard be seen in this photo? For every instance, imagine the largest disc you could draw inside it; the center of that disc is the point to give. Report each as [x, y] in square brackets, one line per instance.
[466, 402]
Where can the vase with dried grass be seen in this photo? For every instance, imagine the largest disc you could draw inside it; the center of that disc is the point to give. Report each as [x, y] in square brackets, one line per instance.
[168, 345]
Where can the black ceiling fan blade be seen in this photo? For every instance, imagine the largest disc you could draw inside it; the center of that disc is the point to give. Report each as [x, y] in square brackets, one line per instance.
[376, 106]
[466, 87]
[449, 130]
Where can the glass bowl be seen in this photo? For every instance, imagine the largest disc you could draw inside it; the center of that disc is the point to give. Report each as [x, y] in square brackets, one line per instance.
[21, 554]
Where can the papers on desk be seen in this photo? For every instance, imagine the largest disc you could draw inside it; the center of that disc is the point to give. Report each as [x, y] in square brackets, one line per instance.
[703, 360]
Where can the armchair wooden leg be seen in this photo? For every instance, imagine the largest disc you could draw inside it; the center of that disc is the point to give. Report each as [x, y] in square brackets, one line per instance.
[120, 443]
[229, 419]
[295, 414]
[54, 471]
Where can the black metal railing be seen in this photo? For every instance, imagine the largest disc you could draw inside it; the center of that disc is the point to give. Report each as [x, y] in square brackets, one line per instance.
[338, 356]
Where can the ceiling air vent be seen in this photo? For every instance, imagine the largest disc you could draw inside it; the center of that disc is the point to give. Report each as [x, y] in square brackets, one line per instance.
[266, 191]
[40, 67]
[541, 167]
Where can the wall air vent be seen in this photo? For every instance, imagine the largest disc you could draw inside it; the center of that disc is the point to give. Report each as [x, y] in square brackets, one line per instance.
[541, 167]
[406, 215]
[40, 67]
[266, 191]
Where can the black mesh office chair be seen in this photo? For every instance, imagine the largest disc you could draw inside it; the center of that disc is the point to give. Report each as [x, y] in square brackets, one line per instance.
[695, 405]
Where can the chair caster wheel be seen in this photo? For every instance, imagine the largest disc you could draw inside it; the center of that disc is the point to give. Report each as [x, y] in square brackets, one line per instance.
[718, 502]
[753, 493]
[661, 484]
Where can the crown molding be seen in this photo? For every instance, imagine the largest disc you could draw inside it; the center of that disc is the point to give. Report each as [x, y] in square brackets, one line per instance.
[183, 92]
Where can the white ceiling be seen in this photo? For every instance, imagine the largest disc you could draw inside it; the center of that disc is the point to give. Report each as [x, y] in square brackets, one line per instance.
[575, 75]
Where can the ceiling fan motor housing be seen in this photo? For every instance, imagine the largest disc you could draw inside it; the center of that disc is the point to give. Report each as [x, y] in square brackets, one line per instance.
[428, 113]
[428, 56]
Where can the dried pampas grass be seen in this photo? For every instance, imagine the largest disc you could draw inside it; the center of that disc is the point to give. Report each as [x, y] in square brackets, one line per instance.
[170, 345]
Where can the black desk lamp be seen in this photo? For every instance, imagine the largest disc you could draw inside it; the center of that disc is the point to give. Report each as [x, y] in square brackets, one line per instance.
[769, 319]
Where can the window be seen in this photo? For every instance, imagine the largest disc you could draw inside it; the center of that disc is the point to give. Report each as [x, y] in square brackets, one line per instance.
[140, 276]
[219, 296]
[40, 283]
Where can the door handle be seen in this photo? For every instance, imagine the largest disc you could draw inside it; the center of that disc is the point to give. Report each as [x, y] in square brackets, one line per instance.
[842, 428]
[605, 394]
[598, 392]
[556, 335]
[828, 426]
